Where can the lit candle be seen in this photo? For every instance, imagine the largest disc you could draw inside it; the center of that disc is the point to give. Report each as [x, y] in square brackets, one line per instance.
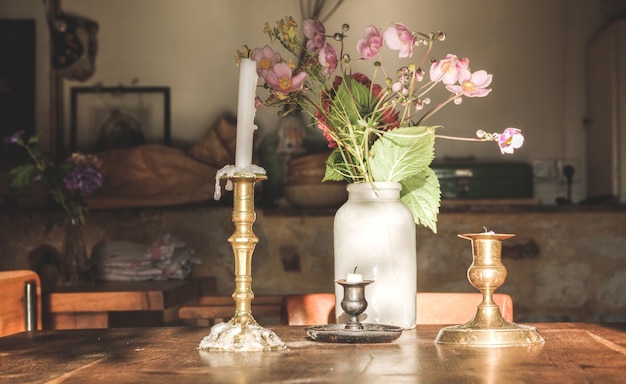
[245, 113]
[354, 277]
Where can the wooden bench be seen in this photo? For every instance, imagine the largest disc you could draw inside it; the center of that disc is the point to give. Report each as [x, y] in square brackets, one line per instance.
[211, 310]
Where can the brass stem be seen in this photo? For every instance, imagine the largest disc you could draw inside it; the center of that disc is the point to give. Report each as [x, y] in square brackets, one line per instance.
[243, 242]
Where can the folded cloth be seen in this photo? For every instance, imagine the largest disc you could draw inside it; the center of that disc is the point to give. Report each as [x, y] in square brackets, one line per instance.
[166, 258]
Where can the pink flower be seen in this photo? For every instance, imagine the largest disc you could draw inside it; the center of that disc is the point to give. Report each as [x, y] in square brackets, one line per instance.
[371, 42]
[449, 69]
[328, 60]
[510, 140]
[472, 85]
[265, 58]
[399, 38]
[315, 33]
[323, 126]
[280, 78]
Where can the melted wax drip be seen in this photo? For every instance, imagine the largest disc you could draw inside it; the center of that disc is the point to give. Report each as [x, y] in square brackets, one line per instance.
[229, 171]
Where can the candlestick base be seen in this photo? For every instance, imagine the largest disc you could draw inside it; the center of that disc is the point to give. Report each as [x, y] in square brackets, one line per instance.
[236, 336]
[506, 334]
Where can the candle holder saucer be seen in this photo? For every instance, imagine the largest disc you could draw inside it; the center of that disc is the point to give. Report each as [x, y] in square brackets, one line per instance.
[369, 333]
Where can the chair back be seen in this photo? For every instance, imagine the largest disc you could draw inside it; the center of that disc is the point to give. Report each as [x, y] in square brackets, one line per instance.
[308, 309]
[20, 298]
[432, 308]
[456, 307]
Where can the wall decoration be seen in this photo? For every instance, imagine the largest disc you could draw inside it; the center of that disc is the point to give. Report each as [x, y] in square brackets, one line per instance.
[103, 118]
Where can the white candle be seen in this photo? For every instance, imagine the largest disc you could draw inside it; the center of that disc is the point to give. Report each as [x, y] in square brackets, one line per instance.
[354, 278]
[245, 113]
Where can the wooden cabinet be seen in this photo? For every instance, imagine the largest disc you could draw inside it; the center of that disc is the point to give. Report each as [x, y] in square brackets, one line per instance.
[606, 136]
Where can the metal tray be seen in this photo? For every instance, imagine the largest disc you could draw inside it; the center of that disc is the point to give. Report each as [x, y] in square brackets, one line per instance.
[371, 333]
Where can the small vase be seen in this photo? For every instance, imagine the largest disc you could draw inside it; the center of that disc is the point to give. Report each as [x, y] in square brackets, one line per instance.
[75, 268]
[374, 232]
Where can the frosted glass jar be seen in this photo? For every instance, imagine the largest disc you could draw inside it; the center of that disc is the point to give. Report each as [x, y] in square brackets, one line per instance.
[375, 233]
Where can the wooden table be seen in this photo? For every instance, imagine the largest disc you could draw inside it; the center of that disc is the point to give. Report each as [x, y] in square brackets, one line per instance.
[121, 304]
[572, 353]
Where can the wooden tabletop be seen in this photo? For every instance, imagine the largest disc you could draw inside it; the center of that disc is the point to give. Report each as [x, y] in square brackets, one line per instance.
[572, 353]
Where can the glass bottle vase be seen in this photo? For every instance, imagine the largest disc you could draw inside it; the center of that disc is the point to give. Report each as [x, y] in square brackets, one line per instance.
[374, 233]
[74, 268]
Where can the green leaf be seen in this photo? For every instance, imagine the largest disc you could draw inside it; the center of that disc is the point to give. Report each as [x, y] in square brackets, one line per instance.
[334, 165]
[23, 175]
[421, 193]
[402, 152]
[351, 103]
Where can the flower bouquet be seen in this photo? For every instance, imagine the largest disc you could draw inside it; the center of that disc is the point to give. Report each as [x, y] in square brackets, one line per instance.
[374, 124]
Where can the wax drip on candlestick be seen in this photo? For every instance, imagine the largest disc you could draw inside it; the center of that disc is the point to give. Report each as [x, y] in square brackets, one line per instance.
[229, 171]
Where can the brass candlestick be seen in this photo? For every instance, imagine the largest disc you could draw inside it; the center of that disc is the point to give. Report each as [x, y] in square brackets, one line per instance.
[488, 328]
[242, 332]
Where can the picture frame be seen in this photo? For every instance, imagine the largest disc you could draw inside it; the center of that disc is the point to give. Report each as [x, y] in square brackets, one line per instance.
[103, 118]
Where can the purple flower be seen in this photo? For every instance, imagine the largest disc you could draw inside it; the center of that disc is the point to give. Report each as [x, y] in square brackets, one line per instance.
[84, 175]
[12, 139]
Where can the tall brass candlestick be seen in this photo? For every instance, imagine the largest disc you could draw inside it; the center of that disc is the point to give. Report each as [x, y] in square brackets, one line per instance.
[242, 332]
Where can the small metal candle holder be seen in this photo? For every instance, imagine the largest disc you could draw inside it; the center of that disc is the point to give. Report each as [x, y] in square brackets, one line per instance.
[242, 332]
[353, 302]
[488, 328]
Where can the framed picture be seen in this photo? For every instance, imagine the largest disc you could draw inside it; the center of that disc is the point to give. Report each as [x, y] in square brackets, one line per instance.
[104, 118]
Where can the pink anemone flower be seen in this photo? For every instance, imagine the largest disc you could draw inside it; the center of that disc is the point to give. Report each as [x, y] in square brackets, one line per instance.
[280, 78]
[449, 70]
[510, 140]
[315, 32]
[265, 58]
[399, 38]
[371, 42]
[472, 85]
[328, 60]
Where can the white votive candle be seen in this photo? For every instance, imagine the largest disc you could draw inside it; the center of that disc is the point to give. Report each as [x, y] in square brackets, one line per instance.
[354, 278]
[245, 113]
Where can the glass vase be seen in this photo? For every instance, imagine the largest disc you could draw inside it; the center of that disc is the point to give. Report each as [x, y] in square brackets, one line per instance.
[374, 233]
[75, 268]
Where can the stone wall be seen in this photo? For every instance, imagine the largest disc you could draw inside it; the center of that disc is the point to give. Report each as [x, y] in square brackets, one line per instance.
[564, 264]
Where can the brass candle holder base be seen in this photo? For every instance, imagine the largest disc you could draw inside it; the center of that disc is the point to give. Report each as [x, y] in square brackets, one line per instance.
[242, 332]
[488, 328]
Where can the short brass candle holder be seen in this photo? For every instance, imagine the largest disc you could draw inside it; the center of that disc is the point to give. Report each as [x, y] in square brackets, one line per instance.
[242, 332]
[488, 328]
[353, 301]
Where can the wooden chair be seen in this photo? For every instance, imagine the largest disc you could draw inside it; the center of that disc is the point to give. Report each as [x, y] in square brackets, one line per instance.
[455, 307]
[308, 309]
[214, 309]
[432, 308]
[20, 301]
